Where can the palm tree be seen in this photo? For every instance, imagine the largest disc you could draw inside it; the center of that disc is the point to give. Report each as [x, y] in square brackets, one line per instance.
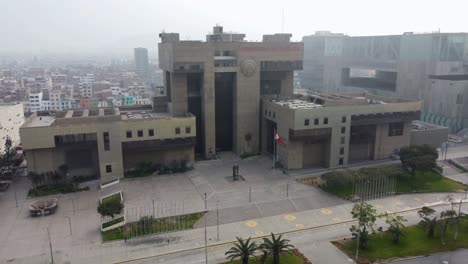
[276, 246]
[447, 217]
[428, 220]
[242, 249]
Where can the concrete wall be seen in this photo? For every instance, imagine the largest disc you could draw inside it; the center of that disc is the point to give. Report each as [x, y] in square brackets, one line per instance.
[11, 119]
[433, 137]
[386, 145]
[132, 158]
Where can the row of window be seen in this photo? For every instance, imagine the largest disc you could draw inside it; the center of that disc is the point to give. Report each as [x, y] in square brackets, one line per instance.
[325, 121]
[129, 133]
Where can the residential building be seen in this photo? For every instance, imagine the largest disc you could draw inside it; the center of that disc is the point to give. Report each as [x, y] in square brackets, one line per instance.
[35, 101]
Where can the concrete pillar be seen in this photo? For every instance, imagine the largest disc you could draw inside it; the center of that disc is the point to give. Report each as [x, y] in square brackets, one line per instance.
[287, 84]
[208, 110]
[112, 157]
[179, 104]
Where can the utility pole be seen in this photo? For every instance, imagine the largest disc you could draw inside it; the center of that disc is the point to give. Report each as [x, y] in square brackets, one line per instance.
[206, 238]
[217, 219]
[50, 246]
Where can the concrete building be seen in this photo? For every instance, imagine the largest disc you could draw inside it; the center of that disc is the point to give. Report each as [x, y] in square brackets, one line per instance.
[106, 142]
[429, 67]
[11, 119]
[428, 133]
[35, 101]
[141, 63]
[319, 130]
[221, 81]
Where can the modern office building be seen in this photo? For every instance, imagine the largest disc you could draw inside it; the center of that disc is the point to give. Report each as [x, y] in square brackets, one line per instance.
[106, 142]
[430, 67]
[11, 119]
[141, 63]
[221, 81]
[319, 130]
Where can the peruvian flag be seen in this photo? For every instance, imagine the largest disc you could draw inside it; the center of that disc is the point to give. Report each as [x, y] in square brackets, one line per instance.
[277, 137]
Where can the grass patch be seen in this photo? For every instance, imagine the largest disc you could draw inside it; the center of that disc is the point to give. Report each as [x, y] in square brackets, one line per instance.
[151, 226]
[113, 222]
[115, 196]
[341, 182]
[414, 243]
[287, 258]
[45, 190]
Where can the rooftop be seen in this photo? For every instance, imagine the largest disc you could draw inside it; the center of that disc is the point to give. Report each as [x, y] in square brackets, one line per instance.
[304, 99]
[49, 118]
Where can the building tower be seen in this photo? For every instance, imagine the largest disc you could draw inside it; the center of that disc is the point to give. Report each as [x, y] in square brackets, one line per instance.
[141, 63]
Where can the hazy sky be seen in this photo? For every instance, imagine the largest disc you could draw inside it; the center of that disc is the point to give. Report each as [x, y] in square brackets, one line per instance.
[120, 25]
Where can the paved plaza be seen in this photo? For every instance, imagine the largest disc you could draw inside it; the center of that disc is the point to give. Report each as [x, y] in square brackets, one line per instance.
[264, 201]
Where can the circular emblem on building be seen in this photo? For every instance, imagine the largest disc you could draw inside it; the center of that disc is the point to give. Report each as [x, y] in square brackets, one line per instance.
[248, 67]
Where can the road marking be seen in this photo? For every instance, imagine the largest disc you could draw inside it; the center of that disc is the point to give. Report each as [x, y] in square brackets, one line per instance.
[299, 226]
[251, 223]
[336, 219]
[223, 244]
[259, 233]
[417, 199]
[289, 217]
[378, 206]
[326, 211]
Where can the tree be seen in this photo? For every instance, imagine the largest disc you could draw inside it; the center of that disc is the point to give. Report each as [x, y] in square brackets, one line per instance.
[242, 249]
[447, 218]
[418, 158]
[428, 220]
[9, 152]
[396, 226]
[110, 208]
[366, 216]
[275, 246]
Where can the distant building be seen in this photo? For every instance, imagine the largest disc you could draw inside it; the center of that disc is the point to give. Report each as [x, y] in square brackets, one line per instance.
[11, 119]
[431, 67]
[35, 101]
[141, 63]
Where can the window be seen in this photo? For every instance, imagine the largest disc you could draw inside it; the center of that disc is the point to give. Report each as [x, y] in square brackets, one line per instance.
[341, 151]
[151, 132]
[266, 112]
[325, 121]
[459, 99]
[108, 168]
[274, 115]
[188, 130]
[343, 130]
[306, 122]
[105, 135]
[177, 130]
[129, 134]
[316, 121]
[395, 129]
[343, 119]
[342, 140]
[269, 113]
[340, 161]
[140, 133]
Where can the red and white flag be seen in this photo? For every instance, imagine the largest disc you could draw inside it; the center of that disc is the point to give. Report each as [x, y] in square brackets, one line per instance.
[277, 137]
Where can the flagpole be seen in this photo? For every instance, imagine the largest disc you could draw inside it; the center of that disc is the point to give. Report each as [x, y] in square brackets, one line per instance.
[274, 149]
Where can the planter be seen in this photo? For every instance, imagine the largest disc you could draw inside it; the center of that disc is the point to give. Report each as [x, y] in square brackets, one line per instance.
[118, 220]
